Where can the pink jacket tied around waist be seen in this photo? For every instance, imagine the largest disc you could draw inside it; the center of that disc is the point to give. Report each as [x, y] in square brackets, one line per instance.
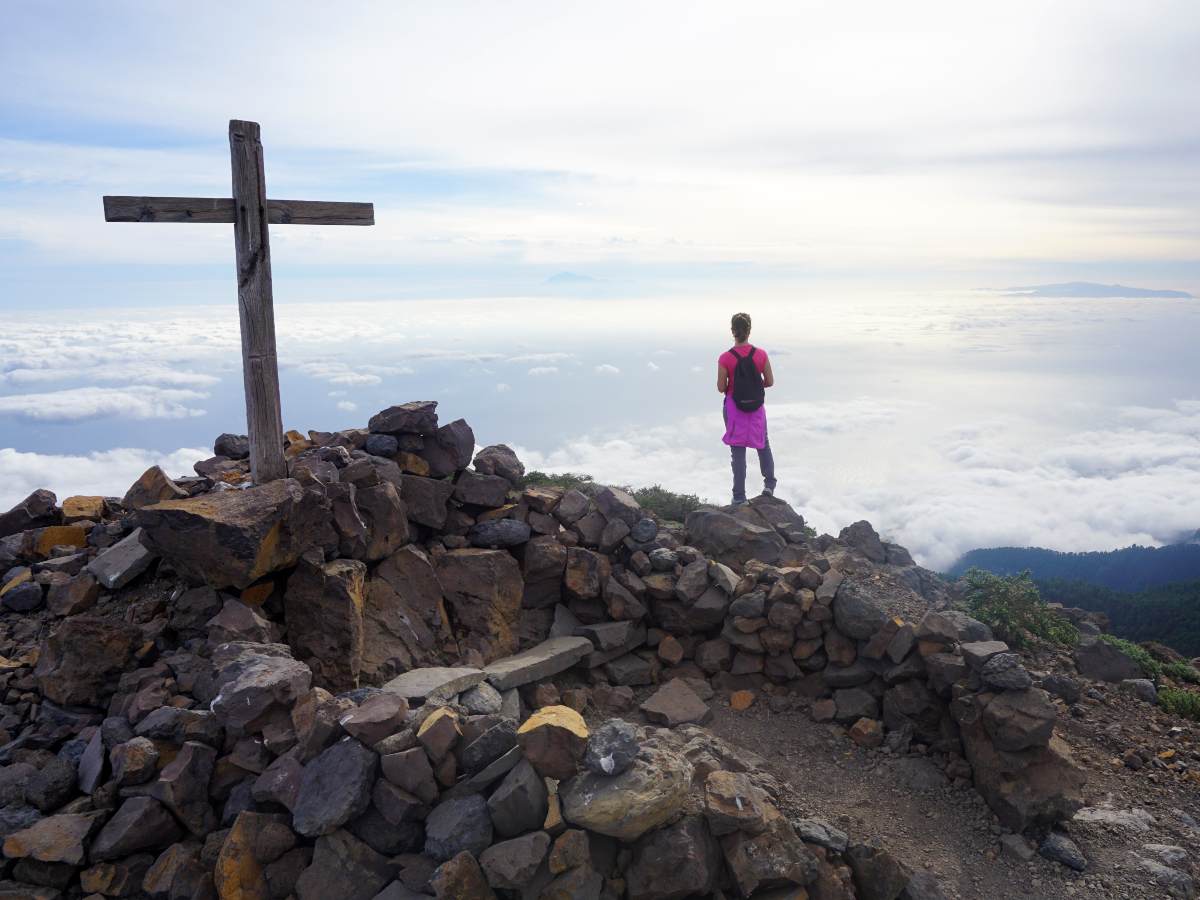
[744, 429]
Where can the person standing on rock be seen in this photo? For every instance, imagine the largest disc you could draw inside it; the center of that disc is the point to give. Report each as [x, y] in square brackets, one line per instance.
[743, 374]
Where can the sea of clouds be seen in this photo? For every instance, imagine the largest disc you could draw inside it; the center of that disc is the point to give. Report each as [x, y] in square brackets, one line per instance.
[948, 422]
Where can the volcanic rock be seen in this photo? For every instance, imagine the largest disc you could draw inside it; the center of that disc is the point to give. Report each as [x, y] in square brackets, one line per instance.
[335, 788]
[233, 538]
[648, 794]
[124, 561]
[140, 824]
[80, 662]
[457, 825]
[483, 588]
[554, 740]
[681, 860]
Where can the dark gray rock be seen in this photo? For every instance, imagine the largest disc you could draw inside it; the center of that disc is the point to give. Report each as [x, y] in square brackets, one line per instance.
[24, 597]
[415, 417]
[500, 459]
[36, 510]
[520, 803]
[52, 786]
[499, 533]
[1062, 686]
[334, 788]
[856, 614]
[1005, 672]
[232, 446]
[612, 748]
[463, 823]
[511, 865]
[140, 824]
[121, 563]
[644, 531]
[863, 538]
[384, 445]
[489, 746]
[1059, 848]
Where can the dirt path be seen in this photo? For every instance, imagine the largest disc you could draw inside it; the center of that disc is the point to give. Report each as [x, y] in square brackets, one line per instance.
[909, 805]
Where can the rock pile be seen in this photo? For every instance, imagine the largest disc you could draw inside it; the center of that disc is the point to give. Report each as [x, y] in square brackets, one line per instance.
[375, 678]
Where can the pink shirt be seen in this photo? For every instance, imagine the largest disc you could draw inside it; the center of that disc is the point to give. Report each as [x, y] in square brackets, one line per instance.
[743, 429]
[729, 359]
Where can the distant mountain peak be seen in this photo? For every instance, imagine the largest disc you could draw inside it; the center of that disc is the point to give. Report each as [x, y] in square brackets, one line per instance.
[1089, 289]
[571, 278]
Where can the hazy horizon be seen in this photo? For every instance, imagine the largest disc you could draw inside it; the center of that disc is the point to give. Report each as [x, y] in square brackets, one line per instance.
[950, 421]
[862, 179]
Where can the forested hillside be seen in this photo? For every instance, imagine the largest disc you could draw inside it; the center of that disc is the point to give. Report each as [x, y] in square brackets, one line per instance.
[1167, 613]
[1133, 568]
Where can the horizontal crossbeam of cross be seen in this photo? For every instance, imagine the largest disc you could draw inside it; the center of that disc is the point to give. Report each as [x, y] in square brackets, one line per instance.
[220, 210]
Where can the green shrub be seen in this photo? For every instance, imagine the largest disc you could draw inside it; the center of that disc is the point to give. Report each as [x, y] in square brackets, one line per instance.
[1012, 607]
[564, 480]
[655, 498]
[666, 504]
[1181, 671]
[1150, 666]
[1180, 703]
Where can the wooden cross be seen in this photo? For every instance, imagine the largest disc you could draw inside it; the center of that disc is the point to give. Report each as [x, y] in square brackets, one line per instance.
[250, 212]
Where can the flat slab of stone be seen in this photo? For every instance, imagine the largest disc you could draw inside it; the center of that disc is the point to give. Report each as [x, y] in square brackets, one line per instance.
[675, 704]
[636, 637]
[434, 683]
[122, 562]
[546, 659]
[976, 653]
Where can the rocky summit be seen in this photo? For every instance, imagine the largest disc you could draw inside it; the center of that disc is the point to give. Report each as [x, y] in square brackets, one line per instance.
[402, 672]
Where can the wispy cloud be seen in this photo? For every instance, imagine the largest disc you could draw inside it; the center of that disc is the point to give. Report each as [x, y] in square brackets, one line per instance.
[540, 371]
[129, 402]
[607, 369]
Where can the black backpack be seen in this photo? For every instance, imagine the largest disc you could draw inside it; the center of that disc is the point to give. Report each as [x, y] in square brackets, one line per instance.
[748, 391]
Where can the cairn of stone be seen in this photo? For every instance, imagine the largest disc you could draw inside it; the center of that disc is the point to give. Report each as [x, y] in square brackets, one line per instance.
[399, 673]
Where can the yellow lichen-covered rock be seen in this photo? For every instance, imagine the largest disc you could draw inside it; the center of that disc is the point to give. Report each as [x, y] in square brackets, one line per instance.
[55, 839]
[82, 506]
[256, 595]
[650, 793]
[234, 538]
[323, 606]
[60, 536]
[412, 464]
[554, 739]
[153, 486]
[439, 733]
[20, 578]
[238, 873]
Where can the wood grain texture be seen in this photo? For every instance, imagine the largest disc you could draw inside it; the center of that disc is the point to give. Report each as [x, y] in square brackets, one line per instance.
[260, 367]
[221, 210]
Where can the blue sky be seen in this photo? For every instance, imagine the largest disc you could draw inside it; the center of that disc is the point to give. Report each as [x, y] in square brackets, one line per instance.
[849, 173]
[666, 148]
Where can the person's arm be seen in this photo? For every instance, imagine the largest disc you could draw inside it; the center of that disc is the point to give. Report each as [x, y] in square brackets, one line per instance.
[768, 375]
[722, 379]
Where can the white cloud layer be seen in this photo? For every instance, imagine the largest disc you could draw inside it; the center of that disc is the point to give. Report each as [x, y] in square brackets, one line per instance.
[106, 473]
[129, 402]
[1135, 482]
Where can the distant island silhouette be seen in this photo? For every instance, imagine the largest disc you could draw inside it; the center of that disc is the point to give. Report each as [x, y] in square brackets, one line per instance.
[1091, 290]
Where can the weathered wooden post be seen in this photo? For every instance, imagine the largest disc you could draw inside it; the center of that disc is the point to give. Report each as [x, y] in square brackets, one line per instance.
[250, 212]
[256, 304]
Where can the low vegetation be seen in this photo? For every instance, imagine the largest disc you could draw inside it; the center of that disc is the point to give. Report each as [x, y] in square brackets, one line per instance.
[1012, 607]
[1182, 671]
[1150, 666]
[1180, 703]
[665, 504]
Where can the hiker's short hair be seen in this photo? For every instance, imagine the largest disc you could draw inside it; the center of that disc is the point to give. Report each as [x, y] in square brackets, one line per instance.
[741, 326]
